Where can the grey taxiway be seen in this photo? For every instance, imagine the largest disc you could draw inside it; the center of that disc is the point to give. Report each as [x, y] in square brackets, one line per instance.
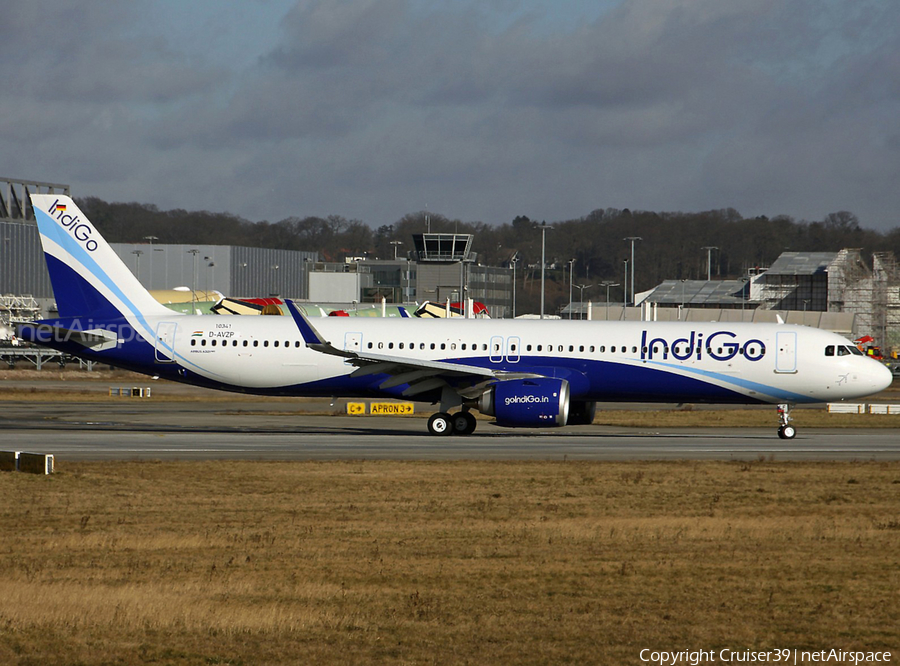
[134, 429]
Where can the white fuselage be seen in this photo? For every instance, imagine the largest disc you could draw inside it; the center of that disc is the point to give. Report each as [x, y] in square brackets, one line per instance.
[714, 362]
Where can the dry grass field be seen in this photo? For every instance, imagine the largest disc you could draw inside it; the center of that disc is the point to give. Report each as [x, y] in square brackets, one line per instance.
[444, 563]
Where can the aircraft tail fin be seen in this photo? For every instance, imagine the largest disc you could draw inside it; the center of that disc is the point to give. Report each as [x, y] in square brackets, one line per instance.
[88, 277]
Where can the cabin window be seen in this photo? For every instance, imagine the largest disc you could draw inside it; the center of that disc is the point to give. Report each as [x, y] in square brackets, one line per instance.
[390, 345]
[463, 347]
[401, 345]
[452, 346]
[592, 349]
[571, 348]
[602, 349]
[370, 345]
[496, 348]
[539, 347]
[422, 345]
[443, 346]
[203, 342]
[276, 343]
[432, 345]
[581, 348]
[246, 342]
[381, 345]
[214, 342]
[256, 343]
[265, 343]
[297, 343]
[194, 343]
[512, 347]
[634, 350]
[613, 349]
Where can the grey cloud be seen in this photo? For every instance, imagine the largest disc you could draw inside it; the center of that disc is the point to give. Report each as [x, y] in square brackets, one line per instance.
[370, 109]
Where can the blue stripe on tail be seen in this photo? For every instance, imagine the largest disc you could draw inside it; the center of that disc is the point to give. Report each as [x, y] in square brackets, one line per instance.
[75, 296]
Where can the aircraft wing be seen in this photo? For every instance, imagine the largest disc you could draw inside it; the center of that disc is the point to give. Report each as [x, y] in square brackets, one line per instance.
[94, 339]
[421, 374]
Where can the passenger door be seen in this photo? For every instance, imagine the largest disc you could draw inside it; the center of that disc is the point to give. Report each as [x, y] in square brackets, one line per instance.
[165, 342]
[786, 352]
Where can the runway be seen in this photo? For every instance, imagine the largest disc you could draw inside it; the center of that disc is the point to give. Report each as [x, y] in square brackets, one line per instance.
[261, 431]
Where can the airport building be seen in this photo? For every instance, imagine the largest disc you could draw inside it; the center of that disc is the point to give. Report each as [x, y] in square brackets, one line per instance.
[233, 270]
[442, 267]
[811, 284]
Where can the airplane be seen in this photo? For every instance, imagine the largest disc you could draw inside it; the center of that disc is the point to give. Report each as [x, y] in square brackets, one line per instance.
[523, 373]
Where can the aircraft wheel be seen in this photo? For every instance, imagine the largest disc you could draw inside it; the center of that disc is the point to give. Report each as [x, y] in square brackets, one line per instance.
[787, 432]
[440, 424]
[463, 423]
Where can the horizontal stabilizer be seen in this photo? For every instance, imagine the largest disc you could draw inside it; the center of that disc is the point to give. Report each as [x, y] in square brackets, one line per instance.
[96, 339]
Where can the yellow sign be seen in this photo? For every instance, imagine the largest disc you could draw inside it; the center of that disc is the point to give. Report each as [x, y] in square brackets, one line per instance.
[390, 408]
[356, 408]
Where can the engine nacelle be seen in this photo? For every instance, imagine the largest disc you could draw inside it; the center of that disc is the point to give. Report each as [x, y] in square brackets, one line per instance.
[527, 403]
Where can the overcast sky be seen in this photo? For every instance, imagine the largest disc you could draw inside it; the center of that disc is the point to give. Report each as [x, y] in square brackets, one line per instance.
[480, 110]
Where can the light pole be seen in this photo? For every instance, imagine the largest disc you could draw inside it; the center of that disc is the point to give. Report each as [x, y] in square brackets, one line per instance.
[193, 279]
[395, 244]
[625, 290]
[514, 260]
[166, 274]
[680, 314]
[211, 265]
[571, 281]
[608, 284]
[744, 281]
[137, 271]
[632, 239]
[709, 249]
[582, 287]
[543, 261]
[274, 293]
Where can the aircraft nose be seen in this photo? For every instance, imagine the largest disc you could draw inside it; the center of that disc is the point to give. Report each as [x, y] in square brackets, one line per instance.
[882, 377]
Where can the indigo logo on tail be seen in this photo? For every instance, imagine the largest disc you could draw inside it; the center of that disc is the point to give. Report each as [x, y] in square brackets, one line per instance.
[81, 231]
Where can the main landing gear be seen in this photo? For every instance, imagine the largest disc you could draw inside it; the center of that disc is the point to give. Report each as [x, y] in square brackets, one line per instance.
[785, 429]
[461, 423]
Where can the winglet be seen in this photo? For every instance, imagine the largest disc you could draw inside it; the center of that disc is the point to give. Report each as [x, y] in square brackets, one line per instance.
[310, 335]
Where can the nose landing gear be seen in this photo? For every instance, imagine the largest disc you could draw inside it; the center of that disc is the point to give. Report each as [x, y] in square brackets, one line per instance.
[785, 429]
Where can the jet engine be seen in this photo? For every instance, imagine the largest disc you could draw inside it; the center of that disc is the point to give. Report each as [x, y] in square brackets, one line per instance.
[527, 403]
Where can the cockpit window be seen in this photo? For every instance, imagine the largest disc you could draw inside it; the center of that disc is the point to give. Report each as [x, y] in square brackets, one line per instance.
[855, 351]
[829, 350]
[843, 351]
